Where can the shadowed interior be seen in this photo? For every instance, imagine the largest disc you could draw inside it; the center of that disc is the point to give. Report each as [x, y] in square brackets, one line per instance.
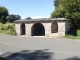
[54, 27]
[22, 28]
[38, 30]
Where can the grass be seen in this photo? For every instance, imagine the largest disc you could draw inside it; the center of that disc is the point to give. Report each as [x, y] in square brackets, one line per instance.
[9, 32]
[73, 34]
[72, 37]
[8, 28]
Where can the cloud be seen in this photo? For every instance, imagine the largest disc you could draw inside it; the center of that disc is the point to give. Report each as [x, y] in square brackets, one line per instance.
[35, 17]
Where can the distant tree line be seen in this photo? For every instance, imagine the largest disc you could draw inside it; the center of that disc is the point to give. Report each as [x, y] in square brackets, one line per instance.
[28, 18]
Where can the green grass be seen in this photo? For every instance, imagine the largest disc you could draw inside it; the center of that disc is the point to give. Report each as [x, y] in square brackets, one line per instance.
[78, 32]
[72, 37]
[8, 28]
[9, 32]
[73, 34]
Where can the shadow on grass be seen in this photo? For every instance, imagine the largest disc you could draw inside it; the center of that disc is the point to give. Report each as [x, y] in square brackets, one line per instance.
[72, 32]
[28, 55]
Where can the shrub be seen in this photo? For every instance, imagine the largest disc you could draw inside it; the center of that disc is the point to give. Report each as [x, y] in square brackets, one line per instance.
[73, 32]
[8, 28]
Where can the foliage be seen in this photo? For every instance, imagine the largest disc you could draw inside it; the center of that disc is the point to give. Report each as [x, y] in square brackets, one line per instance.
[75, 34]
[56, 3]
[3, 14]
[13, 17]
[69, 9]
[72, 37]
[28, 18]
[58, 13]
[8, 28]
[72, 32]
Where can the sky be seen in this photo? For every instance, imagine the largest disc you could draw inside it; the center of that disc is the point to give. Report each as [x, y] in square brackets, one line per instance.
[29, 8]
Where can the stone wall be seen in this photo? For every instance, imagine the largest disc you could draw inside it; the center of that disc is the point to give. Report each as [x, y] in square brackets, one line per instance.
[63, 27]
[17, 27]
[28, 29]
[47, 28]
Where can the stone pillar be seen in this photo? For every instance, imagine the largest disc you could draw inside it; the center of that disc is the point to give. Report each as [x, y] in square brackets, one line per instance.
[17, 27]
[28, 29]
[47, 27]
[61, 28]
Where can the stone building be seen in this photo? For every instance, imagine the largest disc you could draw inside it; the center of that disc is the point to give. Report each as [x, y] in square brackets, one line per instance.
[42, 27]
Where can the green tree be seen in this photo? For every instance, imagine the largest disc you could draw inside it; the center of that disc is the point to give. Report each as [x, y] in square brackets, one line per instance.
[56, 3]
[59, 9]
[73, 12]
[13, 17]
[28, 18]
[3, 14]
[69, 9]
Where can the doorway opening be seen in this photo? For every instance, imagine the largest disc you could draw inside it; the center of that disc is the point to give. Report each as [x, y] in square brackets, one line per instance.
[22, 29]
[37, 30]
[54, 27]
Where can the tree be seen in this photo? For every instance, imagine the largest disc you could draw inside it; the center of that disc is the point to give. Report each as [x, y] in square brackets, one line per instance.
[56, 3]
[73, 12]
[28, 18]
[3, 14]
[68, 9]
[59, 9]
[13, 17]
[58, 13]
[17, 17]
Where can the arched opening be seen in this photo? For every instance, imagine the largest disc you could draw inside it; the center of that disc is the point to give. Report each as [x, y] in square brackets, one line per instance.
[54, 27]
[22, 29]
[37, 30]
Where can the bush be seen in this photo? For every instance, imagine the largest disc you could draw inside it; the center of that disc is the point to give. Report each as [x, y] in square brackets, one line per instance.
[8, 28]
[73, 32]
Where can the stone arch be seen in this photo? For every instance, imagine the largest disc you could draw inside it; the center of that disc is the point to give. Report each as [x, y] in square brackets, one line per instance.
[37, 29]
[22, 29]
[54, 27]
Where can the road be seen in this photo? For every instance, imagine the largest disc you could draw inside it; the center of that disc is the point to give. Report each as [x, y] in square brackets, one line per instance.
[39, 48]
